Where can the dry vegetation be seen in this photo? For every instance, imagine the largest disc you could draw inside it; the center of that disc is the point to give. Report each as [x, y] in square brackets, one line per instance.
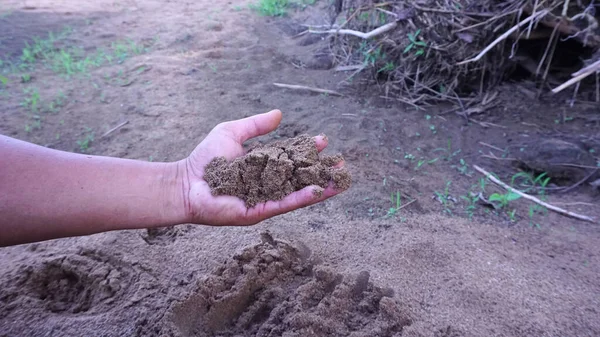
[440, 50]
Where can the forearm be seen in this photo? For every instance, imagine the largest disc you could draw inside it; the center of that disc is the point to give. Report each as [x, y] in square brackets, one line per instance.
[46, 194]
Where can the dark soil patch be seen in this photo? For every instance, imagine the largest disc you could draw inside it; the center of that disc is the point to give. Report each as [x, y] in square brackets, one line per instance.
[271, 172]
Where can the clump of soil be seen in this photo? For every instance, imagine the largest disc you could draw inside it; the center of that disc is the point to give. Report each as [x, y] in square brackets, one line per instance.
[272, 171]
[275, 289]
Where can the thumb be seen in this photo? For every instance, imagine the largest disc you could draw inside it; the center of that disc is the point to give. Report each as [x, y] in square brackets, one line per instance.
[253, 126]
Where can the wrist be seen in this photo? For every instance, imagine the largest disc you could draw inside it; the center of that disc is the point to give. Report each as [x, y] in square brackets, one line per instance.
[175, 187]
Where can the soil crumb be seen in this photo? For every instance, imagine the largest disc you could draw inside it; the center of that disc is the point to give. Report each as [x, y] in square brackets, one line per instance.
[274, 289]
[272, 171]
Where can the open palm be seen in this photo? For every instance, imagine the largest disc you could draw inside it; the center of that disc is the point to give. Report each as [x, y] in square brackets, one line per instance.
[226, 140]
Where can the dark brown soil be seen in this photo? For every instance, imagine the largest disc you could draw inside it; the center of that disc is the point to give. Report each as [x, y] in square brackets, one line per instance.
[273, 171]
[275, 289]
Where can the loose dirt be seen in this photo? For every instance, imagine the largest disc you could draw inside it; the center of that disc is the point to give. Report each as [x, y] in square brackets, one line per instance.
[273, 171]
[276, 289]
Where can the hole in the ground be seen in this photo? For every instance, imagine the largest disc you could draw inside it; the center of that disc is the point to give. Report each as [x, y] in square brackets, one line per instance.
[569, 57]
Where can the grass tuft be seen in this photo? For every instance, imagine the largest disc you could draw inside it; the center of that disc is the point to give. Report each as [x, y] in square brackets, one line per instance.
[271, 7]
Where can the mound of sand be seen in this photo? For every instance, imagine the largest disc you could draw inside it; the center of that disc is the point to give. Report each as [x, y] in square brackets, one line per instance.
[275, 289]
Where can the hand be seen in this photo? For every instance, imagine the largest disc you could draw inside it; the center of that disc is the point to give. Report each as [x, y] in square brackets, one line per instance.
[226, 140]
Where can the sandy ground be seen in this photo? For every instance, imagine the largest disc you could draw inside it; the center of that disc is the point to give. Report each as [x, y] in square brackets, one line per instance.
[428, 270]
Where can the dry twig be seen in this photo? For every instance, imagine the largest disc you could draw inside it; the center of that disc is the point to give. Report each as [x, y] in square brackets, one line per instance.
[491, 146]
[534, 199]
[378, 31]
[579, 76]
[302, 87]
[505, 35]
[114, 129]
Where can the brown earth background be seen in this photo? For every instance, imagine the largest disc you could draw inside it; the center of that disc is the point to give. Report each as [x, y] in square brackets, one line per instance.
[431, 269]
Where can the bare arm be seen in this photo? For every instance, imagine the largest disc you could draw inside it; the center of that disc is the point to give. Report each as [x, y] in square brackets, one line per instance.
[46, 194]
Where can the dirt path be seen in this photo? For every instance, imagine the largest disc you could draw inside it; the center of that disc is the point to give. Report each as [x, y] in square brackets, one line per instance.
[177, 69]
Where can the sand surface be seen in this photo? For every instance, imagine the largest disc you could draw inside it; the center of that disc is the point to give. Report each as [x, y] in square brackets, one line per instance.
[349, 266]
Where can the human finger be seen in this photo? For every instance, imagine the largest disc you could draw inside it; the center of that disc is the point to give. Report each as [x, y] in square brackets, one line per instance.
[243, 129]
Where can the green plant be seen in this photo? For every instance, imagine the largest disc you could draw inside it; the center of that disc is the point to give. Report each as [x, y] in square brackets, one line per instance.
[26, 78]
[463, 168]
[504, 199]
[395, 206]
[527, 182]
[373, 55]
[35, 124]
[448, 151]
[471, 200]
[389, 66]
[414, 43]
[32, 101]
[444, 197]
[85, 142]
[533, 209]
[512, 215]
[41, 48]
[3, 80]
[422, 162]
[482, 184]
[57, 103]
[271, 7]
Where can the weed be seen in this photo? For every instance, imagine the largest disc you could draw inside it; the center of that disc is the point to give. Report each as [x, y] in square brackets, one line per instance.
[57, 103]
[504, 198]
[409, 157]
[88, 138]
[70, 60]
[533, 209]
[463, 168]
[32, 101]
[41, 48]
[471, 200]
[482, 184]
[448, 150]
[3, 80]
[414, 43]
[444, 197]
[395, 205]
[372, 56]
[26, 78]
[389, 66]
[371, 212]
[364, 16]
[36, 124]
[527, 182]
[422, 162]
[512, 216]
[271, 7]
